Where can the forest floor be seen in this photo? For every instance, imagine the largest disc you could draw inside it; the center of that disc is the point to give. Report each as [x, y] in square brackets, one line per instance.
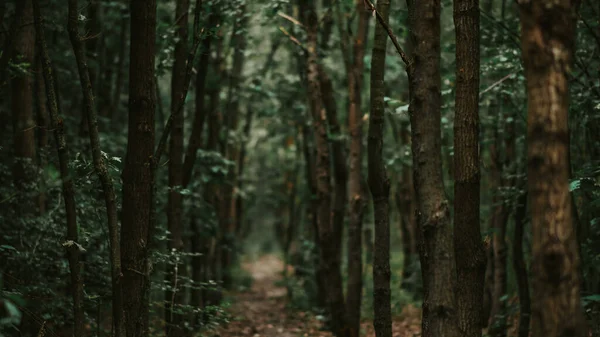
[263, 311]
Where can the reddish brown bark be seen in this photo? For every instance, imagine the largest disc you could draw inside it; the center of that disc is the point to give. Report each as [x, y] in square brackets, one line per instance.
[547, 39]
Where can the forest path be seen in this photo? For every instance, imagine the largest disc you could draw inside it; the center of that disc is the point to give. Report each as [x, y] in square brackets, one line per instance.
[262, 310]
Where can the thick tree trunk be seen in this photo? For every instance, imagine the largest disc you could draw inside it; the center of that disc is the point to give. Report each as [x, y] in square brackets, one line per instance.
[332, 276]
[138, 182]
[548, 56]
[72, 245]
[42, 131]
[356, 199]
[99, 164]
[24, 168]
[521, 267]
[174, 296]
[436, 247]
[468, 247]
[379, 183]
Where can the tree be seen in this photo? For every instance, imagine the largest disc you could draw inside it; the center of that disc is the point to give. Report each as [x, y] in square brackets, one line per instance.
[468, 247]
[138, 176]
[548, 52]
[379, 183]
[355, 74]
[433, 214]
[90, 115]
[326, 231]
[74, 249]
[24, 168]
[175, 296]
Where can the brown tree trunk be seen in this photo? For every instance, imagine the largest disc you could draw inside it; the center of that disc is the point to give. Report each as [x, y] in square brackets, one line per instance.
[72, 245]
[232, 148]
[468, 247]
[99, 164]
[24, 168]
[332, 277]
[340, 172]
[548, 54]
[120, 77]
[379, 183]
[433, 215]
[174, 296]
[498, 222]
[138, 182]
[357, 200]
[42, 131]
[521, 267]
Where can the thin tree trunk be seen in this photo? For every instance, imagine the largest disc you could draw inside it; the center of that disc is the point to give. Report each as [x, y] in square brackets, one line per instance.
[138, 182]
[24, 170]
[379, 182]
[120, 77]
[498, 224]
[332, 277]
[521, 267]
[357, 200]
[42, 132]
[340, 171]
[73, 247]
[548, 56]
[174, 296]
[236, 79]
[468, 247]
[99, 165]
[433, 215]
[195, 140]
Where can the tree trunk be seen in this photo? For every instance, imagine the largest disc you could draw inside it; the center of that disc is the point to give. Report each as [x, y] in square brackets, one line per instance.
[138, 182]
[433, 215]
[24, 168]
[521, 267]
[174, 296]
[498, 222]
[42, 132]
[232, 150]
[99, 164]
[340, 171]
[72, 245]
[120, 77]
[357, 200]
[379, 183]
[331, 271]
[548, 54]
[468, 247]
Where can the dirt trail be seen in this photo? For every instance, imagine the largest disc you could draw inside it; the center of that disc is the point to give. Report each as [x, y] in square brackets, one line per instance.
[262, 312]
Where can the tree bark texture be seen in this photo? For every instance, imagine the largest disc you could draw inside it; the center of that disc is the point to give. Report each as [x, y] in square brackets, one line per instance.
[357, 202]
[469, 252]
[436, 248]
[521, 267]
[99, 164]
[174, 296]
[68, 190]
[332, 276]
[138, 175]
[24, 168]
[379, 182]
[547, 43]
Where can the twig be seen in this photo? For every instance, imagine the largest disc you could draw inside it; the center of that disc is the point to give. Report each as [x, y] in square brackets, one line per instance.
[291, 19]
[292, 38]
[385, 25]
[495, 84]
